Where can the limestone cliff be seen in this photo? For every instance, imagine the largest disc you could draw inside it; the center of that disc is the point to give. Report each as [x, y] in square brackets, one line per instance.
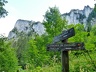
[75, 16]
[26, 27]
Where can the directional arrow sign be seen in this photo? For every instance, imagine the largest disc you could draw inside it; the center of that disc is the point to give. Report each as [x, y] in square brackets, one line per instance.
[65, 35]
[65, 47]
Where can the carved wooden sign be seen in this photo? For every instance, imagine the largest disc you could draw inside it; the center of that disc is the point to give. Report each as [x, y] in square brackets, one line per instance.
[64, 35]
[65, 47]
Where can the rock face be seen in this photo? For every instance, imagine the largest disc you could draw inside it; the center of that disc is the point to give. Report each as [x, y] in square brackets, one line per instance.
[26, 27]
[76, 16]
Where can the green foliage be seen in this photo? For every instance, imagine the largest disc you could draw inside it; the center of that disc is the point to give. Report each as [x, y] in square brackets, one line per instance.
[82, 63]
[53, 22]
[21, 46]
[37, 54]
[95, 7]
[80, 34]
[80, 60]
[32, 54]
[55, 68]
[93, 30]
[8, 60]
[3, 12]
[91, 16]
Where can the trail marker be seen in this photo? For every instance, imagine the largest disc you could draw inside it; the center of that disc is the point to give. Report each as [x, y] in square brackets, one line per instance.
[64, 47]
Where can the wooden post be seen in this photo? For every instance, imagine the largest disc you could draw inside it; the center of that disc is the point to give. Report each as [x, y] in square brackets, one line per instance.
[65, 60]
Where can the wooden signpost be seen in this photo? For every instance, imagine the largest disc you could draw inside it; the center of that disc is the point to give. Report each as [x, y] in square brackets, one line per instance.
[64, 47]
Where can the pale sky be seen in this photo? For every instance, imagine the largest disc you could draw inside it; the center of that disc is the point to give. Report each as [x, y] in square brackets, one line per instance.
[35, 9]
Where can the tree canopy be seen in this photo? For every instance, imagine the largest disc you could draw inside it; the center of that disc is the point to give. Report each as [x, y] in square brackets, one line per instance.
[3, 11]
[53, 21]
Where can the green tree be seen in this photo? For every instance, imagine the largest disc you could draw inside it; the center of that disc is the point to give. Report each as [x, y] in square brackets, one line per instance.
[3, 12]
[36, 53]
[21, 47]
[91, 16]
[8, 59]
[54, 25]
[93, 30]
[53, 22]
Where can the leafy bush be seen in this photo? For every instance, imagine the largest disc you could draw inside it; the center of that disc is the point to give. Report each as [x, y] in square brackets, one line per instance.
[8, 60]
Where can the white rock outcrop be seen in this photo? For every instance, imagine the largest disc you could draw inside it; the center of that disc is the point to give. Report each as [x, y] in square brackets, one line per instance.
[76, 16]
[26, 26]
